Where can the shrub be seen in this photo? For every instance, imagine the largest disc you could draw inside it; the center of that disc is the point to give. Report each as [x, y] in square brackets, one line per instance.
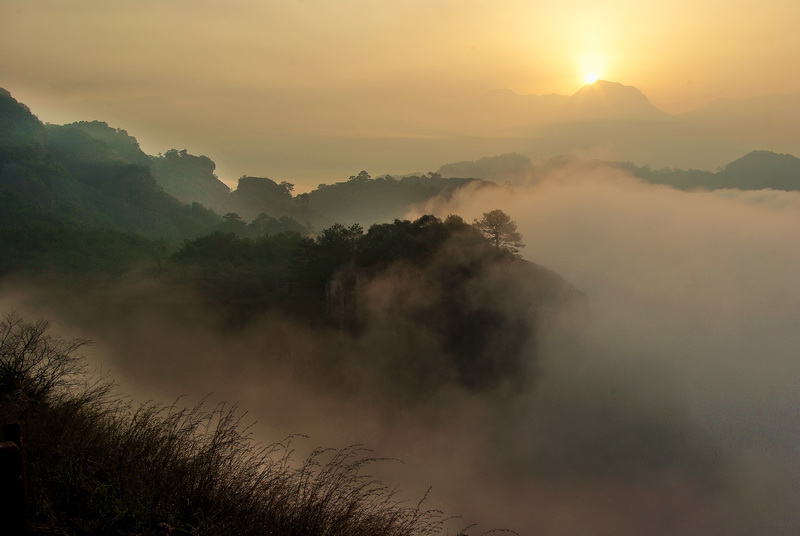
[99, 465]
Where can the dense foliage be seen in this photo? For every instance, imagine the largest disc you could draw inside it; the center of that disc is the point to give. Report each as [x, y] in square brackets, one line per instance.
[242, 273]
[37, 242]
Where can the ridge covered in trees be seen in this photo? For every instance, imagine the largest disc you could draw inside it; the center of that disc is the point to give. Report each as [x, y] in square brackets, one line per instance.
[97, 176]
[328, 281]
[423, 307]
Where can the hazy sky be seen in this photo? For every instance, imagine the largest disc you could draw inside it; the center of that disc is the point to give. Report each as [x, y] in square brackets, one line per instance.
[190, 73]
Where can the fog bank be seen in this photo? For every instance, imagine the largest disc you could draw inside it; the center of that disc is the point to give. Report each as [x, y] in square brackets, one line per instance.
[665, 401]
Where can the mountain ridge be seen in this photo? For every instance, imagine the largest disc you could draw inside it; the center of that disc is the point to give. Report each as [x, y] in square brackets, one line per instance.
[603, 98]
[755, 170]
[325, 140]
[102, 169]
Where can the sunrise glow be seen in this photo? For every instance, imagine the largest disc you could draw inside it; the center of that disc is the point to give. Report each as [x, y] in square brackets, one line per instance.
[541, 252]
[591, 65]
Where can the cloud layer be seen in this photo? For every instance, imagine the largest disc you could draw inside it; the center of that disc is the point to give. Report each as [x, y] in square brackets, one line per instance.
[665, 400]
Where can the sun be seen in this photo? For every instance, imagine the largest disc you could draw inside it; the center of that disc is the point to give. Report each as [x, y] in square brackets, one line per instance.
[591, 66]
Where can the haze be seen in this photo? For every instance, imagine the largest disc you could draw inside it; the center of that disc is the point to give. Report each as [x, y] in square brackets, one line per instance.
[663, 401]
[313, 91]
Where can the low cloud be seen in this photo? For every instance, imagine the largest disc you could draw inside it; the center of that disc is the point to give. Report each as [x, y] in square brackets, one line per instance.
[664, 400]
[687, 346]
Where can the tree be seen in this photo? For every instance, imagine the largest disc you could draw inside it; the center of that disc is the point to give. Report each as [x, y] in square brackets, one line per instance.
[36, 368]
[500, 230]
[233, 223]
[362, 176]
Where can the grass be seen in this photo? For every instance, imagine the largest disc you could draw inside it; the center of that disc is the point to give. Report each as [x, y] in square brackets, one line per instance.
[96, 464]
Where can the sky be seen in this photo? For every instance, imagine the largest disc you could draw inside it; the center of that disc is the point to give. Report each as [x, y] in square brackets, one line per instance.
[249, 83]
[695, 293]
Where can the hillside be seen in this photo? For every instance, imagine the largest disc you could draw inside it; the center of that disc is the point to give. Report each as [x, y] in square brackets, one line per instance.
[422, 309]
[367, 201]
[190, 179]
[91, 174]
[513, 168]
[98, 175]
[405, 290]
[96, 465]
[81, 203]
[757, 170]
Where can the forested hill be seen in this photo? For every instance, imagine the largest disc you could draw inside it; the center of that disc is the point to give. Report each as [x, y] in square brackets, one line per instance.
[421, 309]
[80, 204]
[358, 199]
[88, 175]
[98, 176]
[429, 294]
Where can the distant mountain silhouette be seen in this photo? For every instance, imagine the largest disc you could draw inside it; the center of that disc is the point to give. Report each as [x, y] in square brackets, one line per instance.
[611, 100]
[611, 121]
[605, 120]
[100, 176]
[756, 170]
[601, 100]
[761, 169]
[512, 167]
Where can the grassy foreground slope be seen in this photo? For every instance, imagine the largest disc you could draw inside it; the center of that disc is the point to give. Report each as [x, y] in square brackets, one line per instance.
[98, 465]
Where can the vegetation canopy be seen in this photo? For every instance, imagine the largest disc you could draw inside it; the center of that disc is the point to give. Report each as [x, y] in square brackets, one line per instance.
[500, 230]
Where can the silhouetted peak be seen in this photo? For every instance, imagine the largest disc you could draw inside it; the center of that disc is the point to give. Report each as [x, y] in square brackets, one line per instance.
[611, 100]
[606, 85]
[261, 188]
[761, 169]
[611, 93]
[764, 160]
[501, 168]
[256, 183]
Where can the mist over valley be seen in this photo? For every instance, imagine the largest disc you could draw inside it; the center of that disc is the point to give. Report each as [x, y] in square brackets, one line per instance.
[631, 369]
